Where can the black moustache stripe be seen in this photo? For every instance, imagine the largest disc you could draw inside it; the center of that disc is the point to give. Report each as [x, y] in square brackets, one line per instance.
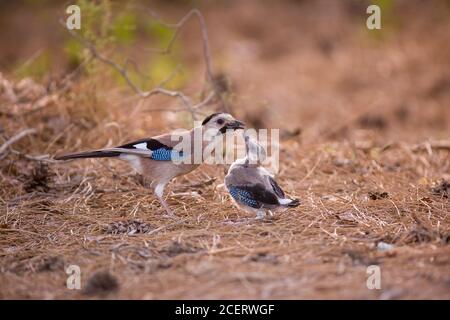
[223, 129]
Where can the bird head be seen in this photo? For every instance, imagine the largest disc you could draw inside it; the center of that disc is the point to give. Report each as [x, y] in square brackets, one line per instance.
[221, 122]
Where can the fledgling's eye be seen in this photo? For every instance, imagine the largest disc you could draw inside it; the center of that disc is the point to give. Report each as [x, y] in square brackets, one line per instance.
[220, 121]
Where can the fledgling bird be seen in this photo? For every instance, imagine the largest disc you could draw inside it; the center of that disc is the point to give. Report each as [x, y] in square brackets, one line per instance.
[252, 187]
[157, 159]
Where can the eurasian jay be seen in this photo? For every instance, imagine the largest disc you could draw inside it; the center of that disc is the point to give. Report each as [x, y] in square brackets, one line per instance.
[159, 159]
[252, 187]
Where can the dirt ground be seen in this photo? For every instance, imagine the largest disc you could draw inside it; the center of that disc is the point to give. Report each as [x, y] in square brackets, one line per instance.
[365, 126]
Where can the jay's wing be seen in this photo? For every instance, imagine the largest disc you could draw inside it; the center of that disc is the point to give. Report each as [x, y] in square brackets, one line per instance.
[152, 148]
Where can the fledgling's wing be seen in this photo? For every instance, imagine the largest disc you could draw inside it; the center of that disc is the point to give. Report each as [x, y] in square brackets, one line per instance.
[276, 188]
[255, 187]
[287, 202]
[255, 196]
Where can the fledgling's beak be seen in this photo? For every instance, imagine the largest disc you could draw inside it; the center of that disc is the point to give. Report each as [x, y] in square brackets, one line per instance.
[235, 125]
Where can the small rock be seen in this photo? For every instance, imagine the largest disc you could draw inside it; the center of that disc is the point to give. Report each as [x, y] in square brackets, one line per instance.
[383, 246]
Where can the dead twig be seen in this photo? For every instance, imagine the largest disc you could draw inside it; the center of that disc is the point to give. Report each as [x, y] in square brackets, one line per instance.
[16, 138]
[39, 158]
[206, 49]
[428, 146]
[123, 72]
[186, 101]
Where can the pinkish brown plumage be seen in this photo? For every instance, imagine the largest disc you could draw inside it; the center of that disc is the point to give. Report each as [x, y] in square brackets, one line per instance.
[159, 159]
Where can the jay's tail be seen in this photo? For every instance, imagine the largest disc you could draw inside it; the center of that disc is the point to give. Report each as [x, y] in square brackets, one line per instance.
[294, 203]
[89, 154]
[291, 203]
[104, 153]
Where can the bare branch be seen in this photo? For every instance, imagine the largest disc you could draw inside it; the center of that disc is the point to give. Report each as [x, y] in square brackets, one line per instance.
[136, 68]
[429, 145]
[122, 70]
[206, 49]
[16, 138]
[39, 158]
[205, 101]
[195, 108]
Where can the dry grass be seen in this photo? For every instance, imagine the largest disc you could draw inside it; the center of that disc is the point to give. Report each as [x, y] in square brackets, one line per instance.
[366, 177]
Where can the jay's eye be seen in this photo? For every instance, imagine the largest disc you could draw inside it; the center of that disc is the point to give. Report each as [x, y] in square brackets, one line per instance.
[220, 121]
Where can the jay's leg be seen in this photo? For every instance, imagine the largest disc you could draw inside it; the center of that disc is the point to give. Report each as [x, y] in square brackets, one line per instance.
[159, 191]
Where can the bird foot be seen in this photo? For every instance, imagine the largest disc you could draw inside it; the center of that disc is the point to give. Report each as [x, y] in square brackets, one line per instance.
[169, 213]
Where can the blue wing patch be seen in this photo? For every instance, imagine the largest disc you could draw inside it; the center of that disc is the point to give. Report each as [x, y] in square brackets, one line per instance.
[244, 197]
[163, 154]
[255, 196]
[160, 152]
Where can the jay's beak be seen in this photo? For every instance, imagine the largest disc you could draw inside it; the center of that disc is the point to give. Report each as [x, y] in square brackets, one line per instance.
[235, 125]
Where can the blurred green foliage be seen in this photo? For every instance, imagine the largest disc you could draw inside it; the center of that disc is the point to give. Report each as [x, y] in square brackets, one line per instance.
[389, 22]
[159, 31]
[37, 66]
[95, 25]
[116, 33]
[160, 67]
[124, 28]
[105, 30]
[387, 10]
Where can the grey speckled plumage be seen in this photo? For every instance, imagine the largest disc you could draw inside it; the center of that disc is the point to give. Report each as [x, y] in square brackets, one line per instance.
[252, 187]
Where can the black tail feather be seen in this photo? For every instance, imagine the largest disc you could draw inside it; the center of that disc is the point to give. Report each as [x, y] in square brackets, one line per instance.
[294, 203]
[89, 154]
